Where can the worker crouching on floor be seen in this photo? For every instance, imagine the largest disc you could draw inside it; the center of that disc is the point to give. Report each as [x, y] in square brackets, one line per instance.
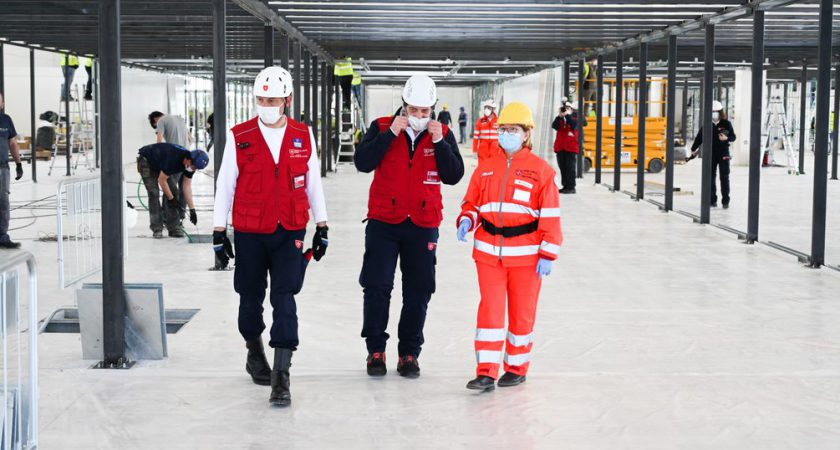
[271, 175]
[411, 156]
[513, 206]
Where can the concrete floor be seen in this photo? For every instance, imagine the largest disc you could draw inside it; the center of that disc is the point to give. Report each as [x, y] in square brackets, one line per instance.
[653, 332]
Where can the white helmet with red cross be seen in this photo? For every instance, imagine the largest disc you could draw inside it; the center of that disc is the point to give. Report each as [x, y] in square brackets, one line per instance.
[273, 81]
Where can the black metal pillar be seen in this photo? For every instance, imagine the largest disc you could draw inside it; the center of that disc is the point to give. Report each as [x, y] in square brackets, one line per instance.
[708, 126]
[335, 137]
[284, 50]
[821, 142]
[326, 73]
[567, 82]
[599, 119]
[834, 124]
[97, 112]
[684, 126]
[68, 141]
[619, 108]
[32, 159]
[803, 106]
[316, 105]
[268, 45]
[755, 126]
[219, 86]
[307, 92]
[670, 125]
[581, 117]
[642, 113]
[113, 288]
[2, 72]
[296, 76]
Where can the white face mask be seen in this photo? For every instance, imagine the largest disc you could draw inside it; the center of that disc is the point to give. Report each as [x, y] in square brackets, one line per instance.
[488, 111]
[270, 114]
[418, 124]
[715, 116]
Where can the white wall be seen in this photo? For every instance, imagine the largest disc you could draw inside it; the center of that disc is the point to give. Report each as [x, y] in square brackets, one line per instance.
[48, 80]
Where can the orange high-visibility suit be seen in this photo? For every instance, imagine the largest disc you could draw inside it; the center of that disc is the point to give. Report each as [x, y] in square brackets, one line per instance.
[486, 137]
[514, 207]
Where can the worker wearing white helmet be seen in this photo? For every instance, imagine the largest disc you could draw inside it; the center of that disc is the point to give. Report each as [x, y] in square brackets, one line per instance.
[411, 156]
[722, 135]
[486, 136]
[271, 177]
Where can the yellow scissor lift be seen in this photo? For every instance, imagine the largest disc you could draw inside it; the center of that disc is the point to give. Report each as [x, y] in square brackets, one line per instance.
[655, 142]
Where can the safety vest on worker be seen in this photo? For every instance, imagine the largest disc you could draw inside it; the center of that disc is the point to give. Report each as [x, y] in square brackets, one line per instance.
[268, 193]
[514, 207]
[486, 137]
[567, 138]
[405, 187]
[343, 68]
[73, 62]
[357, 79]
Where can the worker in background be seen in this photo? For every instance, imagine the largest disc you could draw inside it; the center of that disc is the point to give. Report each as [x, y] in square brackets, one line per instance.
[69, 64]
[462, 126]
[173, 130]
[566, 148]
[486, 137]
[89, 85]
[356, 86]
[444, 117]
[722, 135]
[157, 164]
[209, 127]
[411, 156]
[590, 85]
[344, 73]
[8, 148]
[271, 177]
[513, 206]
[45, 132]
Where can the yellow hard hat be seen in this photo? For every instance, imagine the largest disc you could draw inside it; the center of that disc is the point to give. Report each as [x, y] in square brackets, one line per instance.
[517, 113]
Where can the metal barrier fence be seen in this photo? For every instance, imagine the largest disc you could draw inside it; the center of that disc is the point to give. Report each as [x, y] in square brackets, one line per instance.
[19, 329]
[79, 229]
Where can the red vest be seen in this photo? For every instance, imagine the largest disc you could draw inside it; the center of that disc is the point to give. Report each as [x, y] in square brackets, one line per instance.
[406, 187]
[565, 143]
[269, 193]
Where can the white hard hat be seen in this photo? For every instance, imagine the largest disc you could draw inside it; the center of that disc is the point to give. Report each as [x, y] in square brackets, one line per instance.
[716, 106]
[490, 103]
[273, 81]
[420, 90]
[574, 105]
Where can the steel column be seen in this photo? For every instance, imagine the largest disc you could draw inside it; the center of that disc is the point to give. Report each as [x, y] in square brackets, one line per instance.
[113, 288]
[803, 106]
[306, 107]
[68, 129]
[336, 137]
[97, 112]
[2, 72]
[684, 126]
[821, 138]
[284, 50]
[567, 83]
[834, 124]
[268, 45]
[708, 126]
[599, 120]
[581, 117]
[326, 164]
[670, 116]
[756, 144]
[296, 74]
[33, 133]
[316, 106]
[642, 116]
[619, 108]
[219, 86]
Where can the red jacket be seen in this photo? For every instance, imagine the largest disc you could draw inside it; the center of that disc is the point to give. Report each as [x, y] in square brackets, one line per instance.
[269, 193]
[406, 187]
[567, 135]
[519, 192]
[486, 137]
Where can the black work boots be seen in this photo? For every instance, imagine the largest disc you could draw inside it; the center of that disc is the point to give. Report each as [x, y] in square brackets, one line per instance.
[280, 394]
[511, 379]
[376, 364]
[256, 364]
[482, 383]
[408, 366]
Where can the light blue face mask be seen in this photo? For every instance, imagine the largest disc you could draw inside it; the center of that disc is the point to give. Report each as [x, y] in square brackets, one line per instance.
[510, 142]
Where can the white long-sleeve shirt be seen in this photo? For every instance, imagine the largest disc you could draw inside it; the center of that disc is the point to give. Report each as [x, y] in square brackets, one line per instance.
[229, 173]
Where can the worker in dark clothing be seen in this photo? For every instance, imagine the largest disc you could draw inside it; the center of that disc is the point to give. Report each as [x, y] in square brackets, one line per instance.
[723, 134]
[444, 117]
[566, 148]
[462, 127]
[411, 156]
[156, 164]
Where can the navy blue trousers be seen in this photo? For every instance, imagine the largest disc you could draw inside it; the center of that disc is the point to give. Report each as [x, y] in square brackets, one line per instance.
[415, 247]
[280, 255]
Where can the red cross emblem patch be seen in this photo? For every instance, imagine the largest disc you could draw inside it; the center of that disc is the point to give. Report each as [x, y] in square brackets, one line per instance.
[265, 87]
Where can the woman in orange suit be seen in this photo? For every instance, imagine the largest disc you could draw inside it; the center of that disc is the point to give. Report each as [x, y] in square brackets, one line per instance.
[513, 206]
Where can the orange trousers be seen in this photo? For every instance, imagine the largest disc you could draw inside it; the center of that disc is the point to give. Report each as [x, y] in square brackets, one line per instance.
[514, 290]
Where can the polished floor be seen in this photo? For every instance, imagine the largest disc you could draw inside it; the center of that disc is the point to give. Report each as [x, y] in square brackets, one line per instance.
[652, 333]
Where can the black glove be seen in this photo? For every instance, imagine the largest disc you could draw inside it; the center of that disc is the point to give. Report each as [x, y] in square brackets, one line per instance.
[193, 216]
[320, 242]
[18, 171]
[223, 249]
[173, 203]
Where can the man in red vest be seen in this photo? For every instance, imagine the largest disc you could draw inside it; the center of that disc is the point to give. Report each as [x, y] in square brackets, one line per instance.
[566, 148]
[271, 175]
[411, 156]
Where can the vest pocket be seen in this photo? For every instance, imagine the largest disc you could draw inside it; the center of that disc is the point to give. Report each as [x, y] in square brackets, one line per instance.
[250, 180]
[246, 218]
[298, 173]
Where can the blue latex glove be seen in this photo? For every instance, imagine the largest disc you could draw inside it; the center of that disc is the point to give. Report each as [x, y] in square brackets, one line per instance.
[464, 228]
[544, 267]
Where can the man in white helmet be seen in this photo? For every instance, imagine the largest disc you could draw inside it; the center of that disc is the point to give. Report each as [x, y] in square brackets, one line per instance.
[722, 135]
[271, 176]
[486, 137]
[411, 156]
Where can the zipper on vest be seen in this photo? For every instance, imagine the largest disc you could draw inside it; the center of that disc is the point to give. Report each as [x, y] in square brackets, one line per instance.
[501, 214]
